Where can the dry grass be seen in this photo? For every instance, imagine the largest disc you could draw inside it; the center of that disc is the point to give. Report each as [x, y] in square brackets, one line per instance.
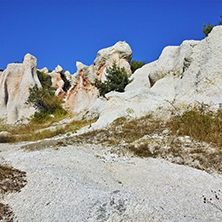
[193, 139]
[34, 131]
[199, 124]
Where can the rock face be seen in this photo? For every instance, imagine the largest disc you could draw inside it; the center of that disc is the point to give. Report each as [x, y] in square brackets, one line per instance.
[15, 82]
[183, 76]
[82, 94]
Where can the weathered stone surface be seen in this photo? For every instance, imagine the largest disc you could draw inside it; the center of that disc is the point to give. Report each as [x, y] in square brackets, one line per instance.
[120, 53]
[15, 82]
[183, 76]
[82, 94]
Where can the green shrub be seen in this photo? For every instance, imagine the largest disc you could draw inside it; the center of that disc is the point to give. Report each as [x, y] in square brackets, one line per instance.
[207, 29]
[136, 65]
[116, 80]
[44, 100]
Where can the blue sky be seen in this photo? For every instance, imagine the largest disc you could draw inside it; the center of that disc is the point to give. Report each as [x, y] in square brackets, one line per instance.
[65, 31]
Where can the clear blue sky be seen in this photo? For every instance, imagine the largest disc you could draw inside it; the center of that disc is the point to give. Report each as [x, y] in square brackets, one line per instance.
[65, 31]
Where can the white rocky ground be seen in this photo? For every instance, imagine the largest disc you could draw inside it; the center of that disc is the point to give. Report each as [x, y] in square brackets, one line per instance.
[85, 182]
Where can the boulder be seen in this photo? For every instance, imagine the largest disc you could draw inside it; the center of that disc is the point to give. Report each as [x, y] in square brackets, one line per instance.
[15, 82]
[120, 53]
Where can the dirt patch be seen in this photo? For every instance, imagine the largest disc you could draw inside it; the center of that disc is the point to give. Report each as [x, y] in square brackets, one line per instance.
[11, 180]
[6, 213]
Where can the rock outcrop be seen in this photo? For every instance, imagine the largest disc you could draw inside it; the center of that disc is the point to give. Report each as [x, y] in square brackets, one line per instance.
[183, 76]
[82, 94]
[15, 82]
[57, 81]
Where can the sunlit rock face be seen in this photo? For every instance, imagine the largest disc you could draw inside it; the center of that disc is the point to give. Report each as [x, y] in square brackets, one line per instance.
[57, 81]
[184, 76]
[15, 82]
[82, 94]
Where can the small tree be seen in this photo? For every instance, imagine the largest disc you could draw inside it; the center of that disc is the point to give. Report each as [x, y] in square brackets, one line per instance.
[44, 99]
[136, 65]
[207, 29]
[116, 80]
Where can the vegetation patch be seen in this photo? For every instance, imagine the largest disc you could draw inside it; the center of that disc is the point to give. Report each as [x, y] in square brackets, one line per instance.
[36, 131]
[200, 124]
[193, 138]
[11, 180]
[116, 80]
[6, 213]
[45, 100]
[136, 65]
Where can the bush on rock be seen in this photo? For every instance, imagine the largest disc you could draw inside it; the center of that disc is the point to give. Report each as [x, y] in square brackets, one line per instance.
[44, 100]
[116, 80]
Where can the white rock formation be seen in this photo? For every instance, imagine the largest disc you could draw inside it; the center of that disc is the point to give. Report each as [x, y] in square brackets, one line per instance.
[68, 75]
[15, 82]
[45, 70]
[58, 69]
[120, 53]
[57, 81]
[183, 76]
[82, 94]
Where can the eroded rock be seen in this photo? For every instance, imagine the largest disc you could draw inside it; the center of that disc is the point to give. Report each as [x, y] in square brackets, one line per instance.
[15, 82]
[82, 94]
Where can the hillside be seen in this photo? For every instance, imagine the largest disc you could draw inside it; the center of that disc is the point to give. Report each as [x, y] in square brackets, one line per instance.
[151, 153]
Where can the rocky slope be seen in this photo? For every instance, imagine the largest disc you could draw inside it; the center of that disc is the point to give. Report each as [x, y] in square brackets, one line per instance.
[86, 182]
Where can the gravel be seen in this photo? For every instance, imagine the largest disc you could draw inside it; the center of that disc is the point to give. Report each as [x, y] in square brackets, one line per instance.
[82, 182]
